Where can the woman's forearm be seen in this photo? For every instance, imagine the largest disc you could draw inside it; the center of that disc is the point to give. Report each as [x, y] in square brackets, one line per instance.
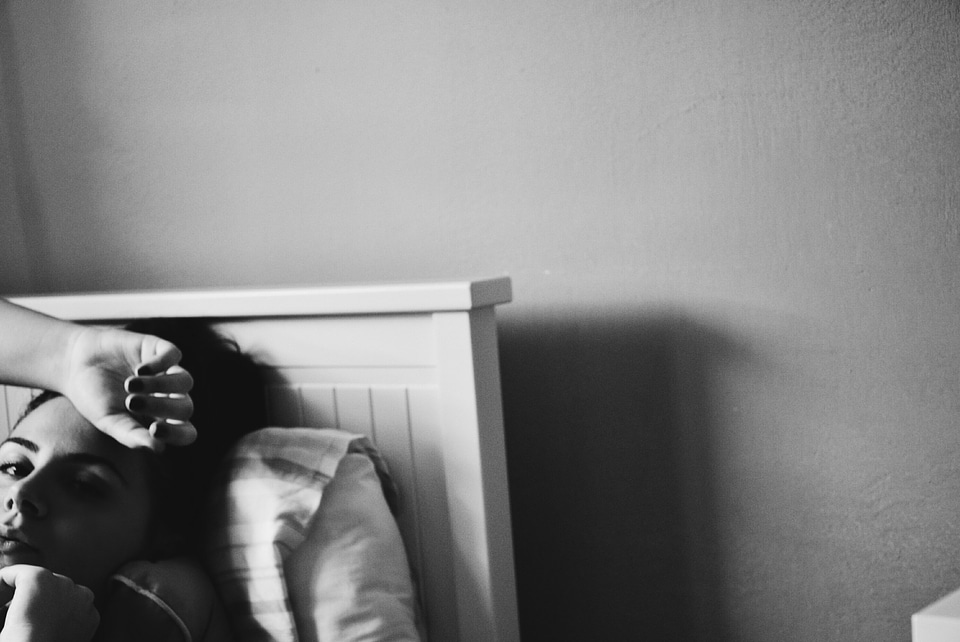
[33, 347]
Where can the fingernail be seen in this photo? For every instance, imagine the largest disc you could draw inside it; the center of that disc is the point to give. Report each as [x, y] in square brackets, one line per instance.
[143, 370]
[155, 431]
[135, 404]
[158, 430]
[134, 385]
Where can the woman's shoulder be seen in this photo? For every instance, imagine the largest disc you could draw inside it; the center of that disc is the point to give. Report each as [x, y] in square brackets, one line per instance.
[168, 600]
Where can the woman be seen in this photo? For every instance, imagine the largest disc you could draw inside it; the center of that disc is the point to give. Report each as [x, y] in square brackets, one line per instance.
[102, 374]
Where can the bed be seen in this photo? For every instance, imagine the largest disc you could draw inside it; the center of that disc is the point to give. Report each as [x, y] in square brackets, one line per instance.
[414, 367]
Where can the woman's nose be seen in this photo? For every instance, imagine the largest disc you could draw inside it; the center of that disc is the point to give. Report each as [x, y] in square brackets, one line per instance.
[23, 497]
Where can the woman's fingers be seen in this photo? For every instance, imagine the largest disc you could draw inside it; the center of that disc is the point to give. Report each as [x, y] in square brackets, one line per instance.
[174, 433]
[158, 357]
[155, 435]
[167, 415]
[175, 380]
[163, 399]
[178, 407]
[129, 431]
[47, 606]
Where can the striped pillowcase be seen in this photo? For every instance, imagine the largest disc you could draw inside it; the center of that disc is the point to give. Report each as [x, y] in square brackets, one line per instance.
[271, 487]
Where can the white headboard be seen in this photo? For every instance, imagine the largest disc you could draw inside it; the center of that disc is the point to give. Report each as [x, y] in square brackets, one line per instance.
[413, 366]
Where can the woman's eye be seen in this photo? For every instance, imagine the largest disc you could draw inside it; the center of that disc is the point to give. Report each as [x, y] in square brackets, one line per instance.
[15, 469]
[85, 486]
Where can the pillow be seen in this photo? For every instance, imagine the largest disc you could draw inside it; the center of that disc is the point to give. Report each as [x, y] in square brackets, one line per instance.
[350, 579]
[160, 602]
[302, 544]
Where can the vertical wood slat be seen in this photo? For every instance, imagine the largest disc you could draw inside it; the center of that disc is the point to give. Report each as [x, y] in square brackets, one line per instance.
[318, 404]
[392, 422]
[438, 587]
[354, 410]
[4, 414]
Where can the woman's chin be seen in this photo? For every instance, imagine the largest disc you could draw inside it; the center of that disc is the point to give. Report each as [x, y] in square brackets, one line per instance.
[20, 558]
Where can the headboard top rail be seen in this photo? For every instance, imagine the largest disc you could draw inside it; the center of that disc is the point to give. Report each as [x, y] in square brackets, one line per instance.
[381, 298]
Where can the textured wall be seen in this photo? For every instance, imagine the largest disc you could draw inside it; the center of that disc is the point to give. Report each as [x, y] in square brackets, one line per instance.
[732, 369]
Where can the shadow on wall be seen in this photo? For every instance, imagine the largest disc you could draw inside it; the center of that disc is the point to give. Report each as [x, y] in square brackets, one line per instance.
[609, 425]
[25, 243]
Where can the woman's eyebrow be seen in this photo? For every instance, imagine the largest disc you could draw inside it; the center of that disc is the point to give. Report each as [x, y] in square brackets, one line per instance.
[26, 443]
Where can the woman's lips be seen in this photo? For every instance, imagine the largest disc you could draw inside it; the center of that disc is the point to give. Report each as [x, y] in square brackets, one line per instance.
[13, 543]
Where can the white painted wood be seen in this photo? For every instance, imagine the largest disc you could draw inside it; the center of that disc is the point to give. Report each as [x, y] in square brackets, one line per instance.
[391, 420]
[369, 375]
[354, 410]
[5, 424]
[395, 340]
[475, 467]
[438, 548]
[302, 301]
[416, 368]
[939, 622]
[318, 406]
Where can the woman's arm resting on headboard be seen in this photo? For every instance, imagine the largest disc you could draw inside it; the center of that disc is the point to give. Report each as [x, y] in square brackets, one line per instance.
[102, 371]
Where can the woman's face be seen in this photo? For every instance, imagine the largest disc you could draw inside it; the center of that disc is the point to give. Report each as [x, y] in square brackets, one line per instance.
[75, 501]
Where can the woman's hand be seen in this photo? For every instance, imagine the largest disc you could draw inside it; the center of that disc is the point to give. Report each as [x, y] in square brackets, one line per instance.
[111, 373]
[45, 607]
